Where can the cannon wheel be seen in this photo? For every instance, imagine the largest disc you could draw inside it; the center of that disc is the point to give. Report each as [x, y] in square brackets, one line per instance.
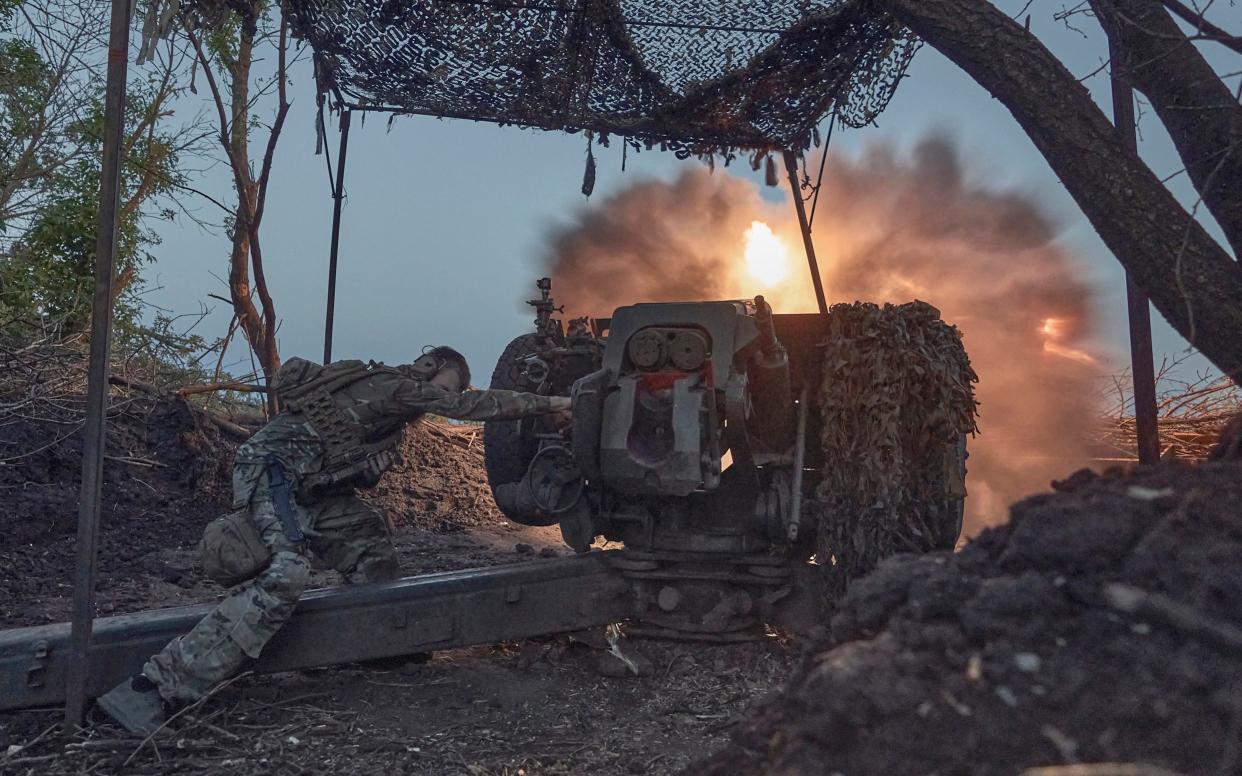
[510, 445]
[950, 523]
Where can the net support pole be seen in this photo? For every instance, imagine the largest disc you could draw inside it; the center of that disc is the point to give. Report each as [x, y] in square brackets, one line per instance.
[791, 168]
[94, 436]
[1142, 366]
[338, 194]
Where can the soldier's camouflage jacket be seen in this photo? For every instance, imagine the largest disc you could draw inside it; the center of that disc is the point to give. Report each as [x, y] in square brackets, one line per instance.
[376, 409]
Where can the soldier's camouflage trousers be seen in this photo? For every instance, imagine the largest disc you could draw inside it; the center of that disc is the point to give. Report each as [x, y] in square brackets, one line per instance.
[343, 532]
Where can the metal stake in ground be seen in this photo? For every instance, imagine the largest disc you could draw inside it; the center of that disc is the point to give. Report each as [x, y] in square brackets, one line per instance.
[791, 167]
[97, 383]
[338, 193]
[1141, 366]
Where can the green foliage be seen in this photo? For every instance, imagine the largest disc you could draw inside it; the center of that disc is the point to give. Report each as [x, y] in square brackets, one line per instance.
[51, 128]
[23, 74]
[221, 42]
[48, 273]
[47, 257]
[224, 34]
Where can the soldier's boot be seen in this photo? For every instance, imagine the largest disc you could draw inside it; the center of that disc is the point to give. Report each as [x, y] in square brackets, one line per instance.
[135, 704]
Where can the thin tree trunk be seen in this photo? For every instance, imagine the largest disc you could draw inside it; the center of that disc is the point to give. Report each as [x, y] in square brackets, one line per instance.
[258, 329]
[1202, 115]
[1190, 279]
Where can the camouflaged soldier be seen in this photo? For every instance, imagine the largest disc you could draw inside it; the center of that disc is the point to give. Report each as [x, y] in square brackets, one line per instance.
[294, 486]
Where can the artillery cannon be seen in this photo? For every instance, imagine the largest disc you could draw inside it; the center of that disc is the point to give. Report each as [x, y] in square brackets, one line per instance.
[689, 446]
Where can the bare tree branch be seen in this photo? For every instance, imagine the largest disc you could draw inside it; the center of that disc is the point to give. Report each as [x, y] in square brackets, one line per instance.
[1203, 117]
[1186, 274]
[1207, 30]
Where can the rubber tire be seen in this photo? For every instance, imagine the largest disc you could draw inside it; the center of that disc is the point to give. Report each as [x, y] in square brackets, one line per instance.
[506, 452]
[950, 528]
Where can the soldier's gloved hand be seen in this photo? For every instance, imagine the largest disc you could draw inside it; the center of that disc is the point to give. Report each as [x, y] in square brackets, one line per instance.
[563, 412]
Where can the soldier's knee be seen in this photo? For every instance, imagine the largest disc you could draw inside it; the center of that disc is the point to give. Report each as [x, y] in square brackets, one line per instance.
[286, 576]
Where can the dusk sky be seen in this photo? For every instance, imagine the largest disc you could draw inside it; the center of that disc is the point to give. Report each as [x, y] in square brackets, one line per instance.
[446, 221]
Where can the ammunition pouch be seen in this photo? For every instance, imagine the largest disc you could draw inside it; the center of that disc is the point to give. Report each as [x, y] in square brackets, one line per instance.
[356, 468]
[232, 551]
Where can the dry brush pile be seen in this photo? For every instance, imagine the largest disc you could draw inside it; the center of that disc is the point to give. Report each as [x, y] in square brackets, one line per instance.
[440, 484]
[1191, 412]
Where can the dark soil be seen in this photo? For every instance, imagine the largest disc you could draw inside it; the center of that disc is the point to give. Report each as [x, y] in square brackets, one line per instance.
[532, 708]
[1008, 655]
[159, 450]
[166, 474]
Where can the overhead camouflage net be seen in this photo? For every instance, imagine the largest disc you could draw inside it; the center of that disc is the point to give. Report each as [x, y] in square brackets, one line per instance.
[897, 400]
[695, 77]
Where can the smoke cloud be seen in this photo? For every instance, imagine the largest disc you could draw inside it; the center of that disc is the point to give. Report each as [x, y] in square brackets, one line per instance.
[658, 242]
[889, 228]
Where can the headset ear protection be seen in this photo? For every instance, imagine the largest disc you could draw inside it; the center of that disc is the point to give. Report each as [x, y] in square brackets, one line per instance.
[427, 366]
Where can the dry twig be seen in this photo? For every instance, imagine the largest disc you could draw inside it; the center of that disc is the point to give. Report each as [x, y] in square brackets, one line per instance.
[1191, 412]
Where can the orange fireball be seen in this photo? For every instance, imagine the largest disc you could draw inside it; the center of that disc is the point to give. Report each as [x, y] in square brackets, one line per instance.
[767, 260]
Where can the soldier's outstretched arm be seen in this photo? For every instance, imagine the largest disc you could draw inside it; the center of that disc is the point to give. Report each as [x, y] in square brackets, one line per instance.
[417, 398]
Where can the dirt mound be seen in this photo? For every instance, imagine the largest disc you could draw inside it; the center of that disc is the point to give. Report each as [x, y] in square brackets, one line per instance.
[440, 484]
[167, 473]
[1033, 645]
[159, 450]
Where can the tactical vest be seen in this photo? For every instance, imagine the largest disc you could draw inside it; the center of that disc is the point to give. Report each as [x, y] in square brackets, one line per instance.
[360, 440]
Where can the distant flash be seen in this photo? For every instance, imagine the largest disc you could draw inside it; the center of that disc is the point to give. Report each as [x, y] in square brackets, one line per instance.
[1052, 331]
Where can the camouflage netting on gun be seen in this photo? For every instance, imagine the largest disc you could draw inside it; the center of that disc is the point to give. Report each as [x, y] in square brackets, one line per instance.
[697, 77]
[897, 392]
